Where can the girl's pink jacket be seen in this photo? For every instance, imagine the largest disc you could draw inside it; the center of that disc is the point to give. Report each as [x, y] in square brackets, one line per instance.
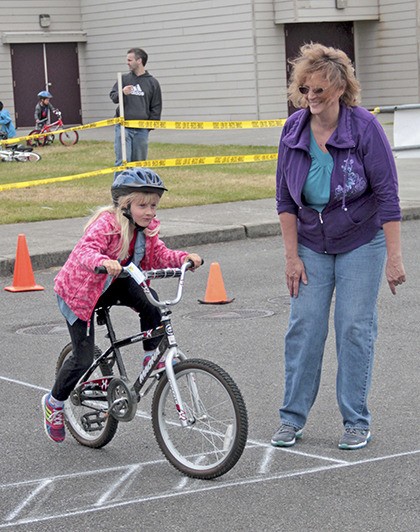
[78, 285]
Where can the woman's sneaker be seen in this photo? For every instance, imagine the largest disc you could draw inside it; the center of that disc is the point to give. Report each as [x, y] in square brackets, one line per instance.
[53, 420]
[354, 438]
[286, 436]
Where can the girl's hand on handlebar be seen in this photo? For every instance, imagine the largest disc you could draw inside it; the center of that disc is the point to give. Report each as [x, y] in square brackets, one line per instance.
[113, 267]
[196, 259]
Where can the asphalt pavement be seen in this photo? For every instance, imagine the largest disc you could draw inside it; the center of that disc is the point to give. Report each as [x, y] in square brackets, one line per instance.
[50, 242]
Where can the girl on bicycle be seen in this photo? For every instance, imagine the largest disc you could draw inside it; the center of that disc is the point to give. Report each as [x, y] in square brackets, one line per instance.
[43, 109]
[114, 236]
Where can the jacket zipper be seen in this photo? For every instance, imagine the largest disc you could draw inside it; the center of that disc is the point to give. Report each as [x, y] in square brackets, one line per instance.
[321, 221]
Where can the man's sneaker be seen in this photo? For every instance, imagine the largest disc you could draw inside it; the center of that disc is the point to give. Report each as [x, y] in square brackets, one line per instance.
[286, 436]
[161, 365]
[354, 438]
[53, 421]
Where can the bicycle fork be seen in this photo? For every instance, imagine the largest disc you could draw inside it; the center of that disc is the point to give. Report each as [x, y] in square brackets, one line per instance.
[173, 352]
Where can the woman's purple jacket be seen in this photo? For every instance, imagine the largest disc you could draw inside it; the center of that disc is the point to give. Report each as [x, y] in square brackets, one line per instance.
[364, 184]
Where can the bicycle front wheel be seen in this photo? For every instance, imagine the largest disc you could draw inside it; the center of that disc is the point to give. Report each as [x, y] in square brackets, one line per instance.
[27, 156]
[87, 420]
[217, 422]
[68, 138]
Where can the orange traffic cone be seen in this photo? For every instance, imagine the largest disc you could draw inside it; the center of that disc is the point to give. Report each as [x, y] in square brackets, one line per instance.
[215, 291]
[23, 276]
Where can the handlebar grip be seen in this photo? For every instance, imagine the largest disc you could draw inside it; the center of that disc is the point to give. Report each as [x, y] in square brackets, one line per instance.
[191, 263]
[100, 269]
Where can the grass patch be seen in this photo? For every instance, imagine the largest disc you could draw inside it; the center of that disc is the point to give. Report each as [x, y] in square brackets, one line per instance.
[189, 185]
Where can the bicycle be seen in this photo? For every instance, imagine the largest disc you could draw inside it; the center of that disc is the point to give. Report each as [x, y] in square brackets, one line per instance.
[198, 414]
[17, 152]
[67, 138]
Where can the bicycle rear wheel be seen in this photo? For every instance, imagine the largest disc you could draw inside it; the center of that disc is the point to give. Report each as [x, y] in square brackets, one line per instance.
[69, 138]
[87, 421]
[45, 141]
[215, 411]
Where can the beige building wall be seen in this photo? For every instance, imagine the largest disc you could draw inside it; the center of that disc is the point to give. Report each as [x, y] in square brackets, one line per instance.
[215, 60]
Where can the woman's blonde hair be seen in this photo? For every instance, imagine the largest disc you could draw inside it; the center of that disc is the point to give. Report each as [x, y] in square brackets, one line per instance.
[124, 227]
[333, 63]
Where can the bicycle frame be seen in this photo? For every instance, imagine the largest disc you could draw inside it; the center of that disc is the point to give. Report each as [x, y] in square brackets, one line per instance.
[47, 128]
[167, 346]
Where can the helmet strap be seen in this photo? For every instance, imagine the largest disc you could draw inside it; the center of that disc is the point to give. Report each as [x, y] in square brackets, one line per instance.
[127, 213]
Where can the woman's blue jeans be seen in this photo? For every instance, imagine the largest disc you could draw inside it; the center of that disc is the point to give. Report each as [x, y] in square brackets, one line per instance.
[356, 277]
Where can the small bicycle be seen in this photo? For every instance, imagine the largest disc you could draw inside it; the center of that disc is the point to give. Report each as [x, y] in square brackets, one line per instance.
[199, 417]
[67, 138]
[17, 153]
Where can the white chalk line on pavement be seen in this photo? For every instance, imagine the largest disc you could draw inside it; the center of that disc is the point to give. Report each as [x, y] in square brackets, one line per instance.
[145, 415]
[127, 471]
[244, 482]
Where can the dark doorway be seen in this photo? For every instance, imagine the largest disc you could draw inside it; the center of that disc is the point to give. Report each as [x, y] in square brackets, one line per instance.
[52, 66]
[336, 34]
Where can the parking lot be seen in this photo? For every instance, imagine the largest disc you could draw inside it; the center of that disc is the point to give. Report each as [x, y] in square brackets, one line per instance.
[128, 484]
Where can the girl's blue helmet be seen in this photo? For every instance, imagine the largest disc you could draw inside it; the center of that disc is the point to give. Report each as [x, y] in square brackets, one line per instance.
[44, 94]
[136, 180]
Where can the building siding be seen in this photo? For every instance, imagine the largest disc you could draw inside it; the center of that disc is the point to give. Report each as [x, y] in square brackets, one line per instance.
[23, 17]
[289, 11]
[387, 60]
[219, 60]
[202, 53]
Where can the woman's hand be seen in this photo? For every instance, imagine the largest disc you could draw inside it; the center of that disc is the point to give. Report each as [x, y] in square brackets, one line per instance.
[196, 259]
[395, 272]
[295, 272]
[113, 267]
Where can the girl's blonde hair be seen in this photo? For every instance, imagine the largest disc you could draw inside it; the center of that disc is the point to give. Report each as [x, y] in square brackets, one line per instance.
[333, 63]
[124, 227]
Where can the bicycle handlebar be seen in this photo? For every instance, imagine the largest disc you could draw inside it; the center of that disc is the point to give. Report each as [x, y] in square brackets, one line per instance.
[142, 276]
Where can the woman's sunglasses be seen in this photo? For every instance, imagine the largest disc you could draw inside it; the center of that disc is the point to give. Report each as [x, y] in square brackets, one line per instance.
[303, 89]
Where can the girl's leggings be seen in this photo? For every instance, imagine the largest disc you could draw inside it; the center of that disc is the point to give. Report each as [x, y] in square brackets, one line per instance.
[126, 292]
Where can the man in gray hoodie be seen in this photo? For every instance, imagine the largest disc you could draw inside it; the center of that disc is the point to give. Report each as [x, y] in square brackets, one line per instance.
[142, 101]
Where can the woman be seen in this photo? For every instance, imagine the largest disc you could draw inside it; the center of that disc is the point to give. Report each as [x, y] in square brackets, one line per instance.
[337, 199]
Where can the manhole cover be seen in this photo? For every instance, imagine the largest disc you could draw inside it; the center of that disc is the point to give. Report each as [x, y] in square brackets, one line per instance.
[44, 329]
[246, 314]
[280, 300]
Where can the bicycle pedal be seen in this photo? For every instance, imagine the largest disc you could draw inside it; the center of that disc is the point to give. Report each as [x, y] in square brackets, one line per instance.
[92, 422]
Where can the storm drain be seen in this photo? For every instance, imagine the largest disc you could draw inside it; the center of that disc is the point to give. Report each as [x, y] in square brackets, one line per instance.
[222, 314]
[50, 329]
[46, 329]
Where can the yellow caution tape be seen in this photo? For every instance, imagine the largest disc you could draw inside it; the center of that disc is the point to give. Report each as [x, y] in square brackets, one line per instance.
[101, 123]
[192, 161]
[152, 163]
[158, 124]
[49, 180]
[166, 124]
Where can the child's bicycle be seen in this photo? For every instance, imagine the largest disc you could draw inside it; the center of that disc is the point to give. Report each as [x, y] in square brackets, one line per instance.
[199, 417]
[17, 152]
[67, 138]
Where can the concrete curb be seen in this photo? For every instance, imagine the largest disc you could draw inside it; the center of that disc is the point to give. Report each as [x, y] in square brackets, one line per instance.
[44, 260]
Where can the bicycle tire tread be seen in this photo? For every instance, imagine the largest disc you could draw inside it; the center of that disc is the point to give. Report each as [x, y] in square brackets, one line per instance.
[239, 406]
